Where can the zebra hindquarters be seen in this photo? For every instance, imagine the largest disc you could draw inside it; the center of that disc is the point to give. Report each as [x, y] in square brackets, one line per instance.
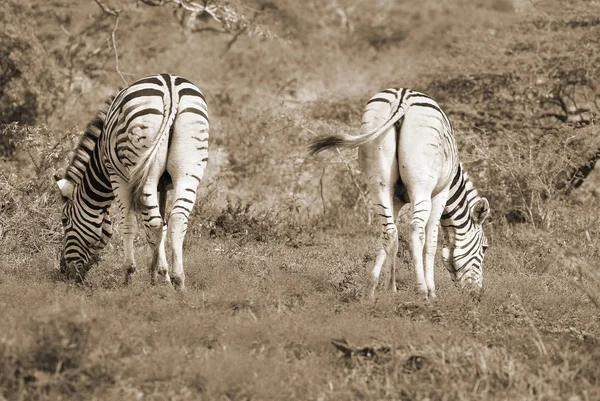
[186, 163]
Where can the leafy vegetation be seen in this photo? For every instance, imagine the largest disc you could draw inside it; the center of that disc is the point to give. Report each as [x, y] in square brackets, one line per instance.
[280, 243]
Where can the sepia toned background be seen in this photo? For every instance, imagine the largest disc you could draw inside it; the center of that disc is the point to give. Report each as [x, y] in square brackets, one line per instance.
[280, 243]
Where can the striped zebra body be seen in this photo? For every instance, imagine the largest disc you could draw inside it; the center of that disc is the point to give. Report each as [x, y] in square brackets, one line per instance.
[408, 154]
[148, 153]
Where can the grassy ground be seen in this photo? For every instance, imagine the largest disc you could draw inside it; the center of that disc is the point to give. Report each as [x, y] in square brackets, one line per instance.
[258, 320]
[279, 248]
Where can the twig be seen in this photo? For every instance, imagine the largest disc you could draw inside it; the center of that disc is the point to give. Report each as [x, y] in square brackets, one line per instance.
[234, 39]
[187, 5]
[107, 10]
[114, 44]
[114, 12]
[321, 191]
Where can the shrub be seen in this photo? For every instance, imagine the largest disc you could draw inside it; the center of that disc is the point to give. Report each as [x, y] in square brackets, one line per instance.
[239, 221]
[29, 203]
[29, 81]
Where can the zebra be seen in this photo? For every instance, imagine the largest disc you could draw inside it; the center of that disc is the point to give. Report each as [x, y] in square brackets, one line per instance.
[148, 152]
[408, 154]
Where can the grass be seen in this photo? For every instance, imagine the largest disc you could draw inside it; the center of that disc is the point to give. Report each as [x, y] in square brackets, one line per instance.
[278, 250]
[258, 319]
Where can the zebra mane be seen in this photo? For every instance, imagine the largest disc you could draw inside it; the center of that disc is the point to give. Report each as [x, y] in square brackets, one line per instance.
[472, 194]
[87, 144]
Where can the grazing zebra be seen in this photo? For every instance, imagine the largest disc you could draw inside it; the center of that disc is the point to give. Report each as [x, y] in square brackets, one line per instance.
[408, 154]
[153, 139]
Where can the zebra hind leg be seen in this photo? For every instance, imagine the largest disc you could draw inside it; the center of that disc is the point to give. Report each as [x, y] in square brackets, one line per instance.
[162, 269]
[153, 224]
[389, 240]
[185, 197]
[421, 210]
[129, 228]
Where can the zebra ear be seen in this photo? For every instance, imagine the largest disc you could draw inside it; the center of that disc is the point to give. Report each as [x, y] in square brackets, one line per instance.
[66, 187]
[480, 210]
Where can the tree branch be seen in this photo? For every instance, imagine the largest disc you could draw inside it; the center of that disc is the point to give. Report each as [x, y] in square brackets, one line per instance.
[114, 45]
[107, 10]
[113, 12]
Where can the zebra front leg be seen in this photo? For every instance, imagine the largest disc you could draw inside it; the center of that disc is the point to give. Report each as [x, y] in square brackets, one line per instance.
[421, 210]
[431, 240]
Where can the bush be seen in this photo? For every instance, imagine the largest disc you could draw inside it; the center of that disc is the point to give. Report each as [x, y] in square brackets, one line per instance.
[29, 201]
[238, 221]
[29, 81]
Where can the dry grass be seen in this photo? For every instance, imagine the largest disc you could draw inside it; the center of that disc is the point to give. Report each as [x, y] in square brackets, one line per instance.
[257, 323]
[278, 249]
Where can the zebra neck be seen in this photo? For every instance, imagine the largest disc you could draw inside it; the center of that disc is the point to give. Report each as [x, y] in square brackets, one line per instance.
[86, 146]
[95, 185]
[457, 212]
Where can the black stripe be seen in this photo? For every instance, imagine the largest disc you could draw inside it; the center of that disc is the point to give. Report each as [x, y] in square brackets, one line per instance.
[181, 80]
[141, 113]
[149, 80]
[378, 99]
[146, 92]
[417, 94]
[195, 111]
[402, 96]
[458, 191]
[181, 207]
[191, 92]
[431, 106]
[450, 214]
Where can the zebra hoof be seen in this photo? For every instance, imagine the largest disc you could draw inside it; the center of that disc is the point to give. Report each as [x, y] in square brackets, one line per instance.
[178, 283]
[129, 271]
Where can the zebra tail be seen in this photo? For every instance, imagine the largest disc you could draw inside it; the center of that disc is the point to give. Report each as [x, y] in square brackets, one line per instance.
[139, 174]
[348, 141]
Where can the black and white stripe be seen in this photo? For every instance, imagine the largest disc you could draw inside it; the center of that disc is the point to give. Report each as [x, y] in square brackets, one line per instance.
[408, 154]
[153, 139]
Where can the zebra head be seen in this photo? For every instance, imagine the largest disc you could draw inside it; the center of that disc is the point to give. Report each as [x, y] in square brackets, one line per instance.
[86, 231]
[465, 246]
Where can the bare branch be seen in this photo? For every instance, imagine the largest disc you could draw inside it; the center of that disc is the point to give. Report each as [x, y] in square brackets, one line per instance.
[107, 10]
[231, 21]
[114, 45]
[321, 191]
[113, 12]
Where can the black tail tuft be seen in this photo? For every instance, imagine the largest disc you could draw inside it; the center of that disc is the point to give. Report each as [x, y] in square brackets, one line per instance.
[325, 142]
